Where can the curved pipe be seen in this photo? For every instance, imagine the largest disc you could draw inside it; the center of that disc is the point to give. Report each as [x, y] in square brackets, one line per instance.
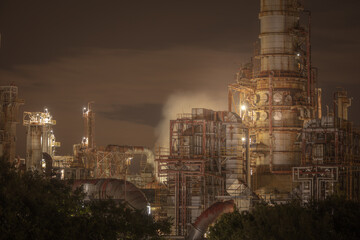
[150, 157]
[114, 189]
[209, 216]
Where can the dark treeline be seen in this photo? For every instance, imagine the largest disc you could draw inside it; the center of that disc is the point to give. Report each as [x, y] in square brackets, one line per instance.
[35, 207]
[334, 218]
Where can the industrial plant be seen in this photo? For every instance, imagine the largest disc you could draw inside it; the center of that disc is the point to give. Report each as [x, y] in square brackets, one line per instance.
[275, 142]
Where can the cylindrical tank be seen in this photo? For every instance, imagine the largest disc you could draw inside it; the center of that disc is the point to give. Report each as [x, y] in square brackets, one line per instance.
[279, 96]
[46, 137]
[33, 147]
[277, 19]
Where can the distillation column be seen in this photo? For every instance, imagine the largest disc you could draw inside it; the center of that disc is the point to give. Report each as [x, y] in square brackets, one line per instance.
[281, 86]
[281, 102]
[33, 147]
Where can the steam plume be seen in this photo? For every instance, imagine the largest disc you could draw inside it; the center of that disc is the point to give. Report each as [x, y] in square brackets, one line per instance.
[183, 102]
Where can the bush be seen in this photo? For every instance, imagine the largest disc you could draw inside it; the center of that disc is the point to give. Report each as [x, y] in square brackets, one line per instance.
[334, 218]
[33, 207]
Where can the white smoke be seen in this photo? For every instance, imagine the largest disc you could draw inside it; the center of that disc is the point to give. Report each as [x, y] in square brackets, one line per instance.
[183, 102]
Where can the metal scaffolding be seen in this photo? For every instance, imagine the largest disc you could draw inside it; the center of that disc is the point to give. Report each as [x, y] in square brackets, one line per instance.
[207, 160]
[274, 95]
[111, 164]
[332, 141]
[316, 182]
[9, 112]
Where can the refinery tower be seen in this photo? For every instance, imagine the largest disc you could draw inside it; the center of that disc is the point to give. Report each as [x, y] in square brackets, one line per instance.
[274, 95]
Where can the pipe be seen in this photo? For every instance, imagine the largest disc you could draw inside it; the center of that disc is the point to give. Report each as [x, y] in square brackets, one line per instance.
[209, 216]
[270, 118]
[314, 89]
[334, 109]
[319, 102]
[248, 162]
[230, 100]
[150, 158]
[309, 58]
[132, 150]
[114, 189]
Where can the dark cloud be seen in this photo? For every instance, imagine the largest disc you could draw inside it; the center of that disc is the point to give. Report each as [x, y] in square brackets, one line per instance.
[41, 30]
[147, 114]
[114, 78]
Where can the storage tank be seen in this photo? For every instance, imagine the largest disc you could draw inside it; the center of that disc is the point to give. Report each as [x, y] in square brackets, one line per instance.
[33, 147]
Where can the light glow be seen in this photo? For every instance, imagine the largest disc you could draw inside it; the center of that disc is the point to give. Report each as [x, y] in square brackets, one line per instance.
[148, 209]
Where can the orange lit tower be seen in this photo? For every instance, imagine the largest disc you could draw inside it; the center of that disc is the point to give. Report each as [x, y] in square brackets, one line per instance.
[274, 95]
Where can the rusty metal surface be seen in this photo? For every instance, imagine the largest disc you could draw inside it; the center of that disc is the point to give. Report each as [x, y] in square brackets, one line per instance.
[279, 94]
[207, 158]
[208, 217]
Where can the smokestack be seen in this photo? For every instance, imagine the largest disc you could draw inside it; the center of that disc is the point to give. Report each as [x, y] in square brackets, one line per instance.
[89, 126]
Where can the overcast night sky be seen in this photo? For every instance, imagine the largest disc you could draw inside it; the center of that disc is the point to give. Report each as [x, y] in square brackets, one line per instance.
[136, 59]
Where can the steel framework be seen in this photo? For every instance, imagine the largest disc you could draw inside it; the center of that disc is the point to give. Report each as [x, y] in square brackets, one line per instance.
[332, 141]
[206, 160]
[316, 182]
[9, 111]
[40, 137]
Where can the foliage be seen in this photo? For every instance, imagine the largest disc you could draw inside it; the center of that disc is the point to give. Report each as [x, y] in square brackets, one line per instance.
[33, 207]
[334, 218]
[112, 220]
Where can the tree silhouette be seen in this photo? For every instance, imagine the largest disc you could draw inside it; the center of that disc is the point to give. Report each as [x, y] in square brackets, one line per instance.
[334, 218]
[35, 207]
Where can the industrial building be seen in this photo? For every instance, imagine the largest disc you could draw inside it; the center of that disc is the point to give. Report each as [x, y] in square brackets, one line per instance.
[274, 143]
[9, 112]
[294, 149]
[206, 163]
[40, 139]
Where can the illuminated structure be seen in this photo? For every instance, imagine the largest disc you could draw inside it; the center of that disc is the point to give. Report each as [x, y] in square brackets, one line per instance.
[274, 143]
[39, 138]
[207, 161]
[292, 150]
[277, 90]
[89, 126]
[330, 145]
[276, 97]
[9, 112]
[110, 162]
